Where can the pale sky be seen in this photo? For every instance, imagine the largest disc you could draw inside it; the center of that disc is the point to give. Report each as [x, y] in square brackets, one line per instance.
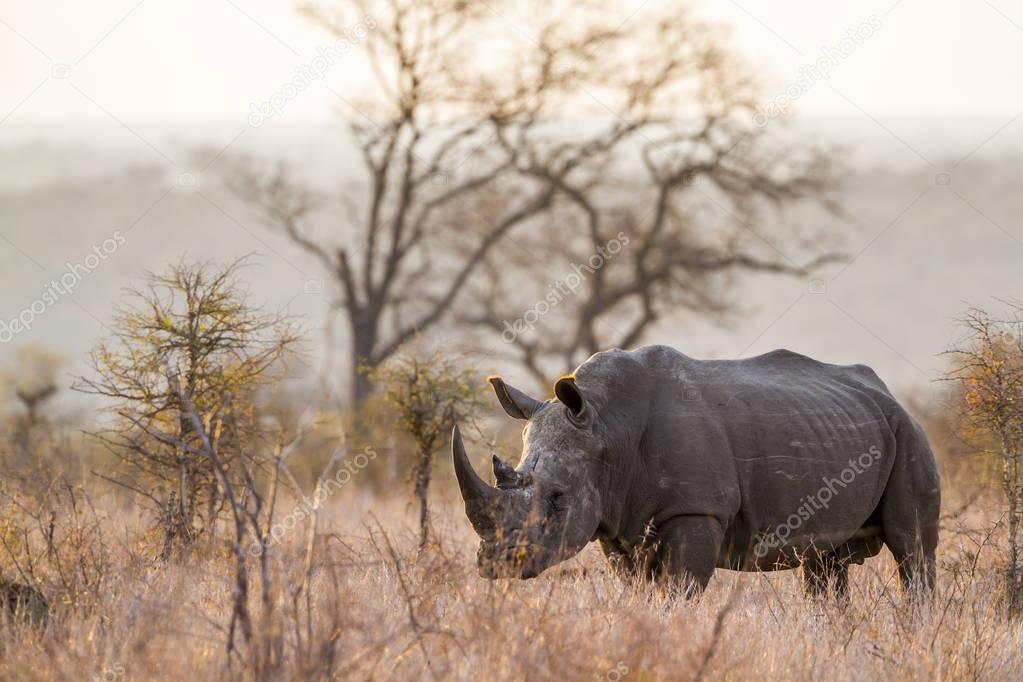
[195, 61]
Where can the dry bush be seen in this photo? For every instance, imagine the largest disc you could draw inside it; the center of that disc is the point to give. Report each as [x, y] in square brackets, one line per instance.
[988, 366]
[61, 546]
[56, 546]
[195, 325]
[429, 394]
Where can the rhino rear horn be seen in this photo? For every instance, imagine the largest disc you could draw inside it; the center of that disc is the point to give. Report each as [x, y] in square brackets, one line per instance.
[505, 475]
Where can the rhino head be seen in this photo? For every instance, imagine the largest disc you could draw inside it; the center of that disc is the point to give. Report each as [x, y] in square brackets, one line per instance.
[548, 508]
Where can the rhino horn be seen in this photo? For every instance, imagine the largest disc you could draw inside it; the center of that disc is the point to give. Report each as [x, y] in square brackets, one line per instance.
[477, 493]
[505, 475]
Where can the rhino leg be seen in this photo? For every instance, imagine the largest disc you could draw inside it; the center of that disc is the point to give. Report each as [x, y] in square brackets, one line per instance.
[688, 552]
[916, 561]
[823, 570]
[910, 508]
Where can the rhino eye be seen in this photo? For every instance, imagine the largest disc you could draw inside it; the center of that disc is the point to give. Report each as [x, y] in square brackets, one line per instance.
[557, 501]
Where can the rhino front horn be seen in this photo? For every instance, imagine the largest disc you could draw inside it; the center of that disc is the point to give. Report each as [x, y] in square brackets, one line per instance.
[476, 492]
[479, 497]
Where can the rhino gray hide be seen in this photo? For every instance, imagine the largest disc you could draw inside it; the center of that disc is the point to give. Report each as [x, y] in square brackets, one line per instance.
[678, 466]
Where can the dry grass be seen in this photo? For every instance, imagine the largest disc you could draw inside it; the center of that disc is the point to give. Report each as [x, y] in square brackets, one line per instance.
[376, 612]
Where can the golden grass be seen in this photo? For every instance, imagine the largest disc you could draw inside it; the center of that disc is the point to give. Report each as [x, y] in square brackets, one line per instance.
[377, 612]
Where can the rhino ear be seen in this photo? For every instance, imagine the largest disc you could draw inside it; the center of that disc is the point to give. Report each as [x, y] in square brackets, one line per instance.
[568, 393]
[517, 404]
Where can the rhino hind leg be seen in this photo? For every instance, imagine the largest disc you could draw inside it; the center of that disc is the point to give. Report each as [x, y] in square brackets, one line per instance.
[915, 559]
[910, 508]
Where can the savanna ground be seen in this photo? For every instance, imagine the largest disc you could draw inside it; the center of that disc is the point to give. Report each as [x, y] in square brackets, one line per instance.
[377, 609]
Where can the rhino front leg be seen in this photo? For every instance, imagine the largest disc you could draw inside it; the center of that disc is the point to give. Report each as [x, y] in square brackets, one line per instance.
[688, 552]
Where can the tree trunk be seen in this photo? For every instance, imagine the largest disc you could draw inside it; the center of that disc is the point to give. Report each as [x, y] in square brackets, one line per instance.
[361, 387]
[422, 490]
[1011, 486]
[364, 340]
[1013, 493]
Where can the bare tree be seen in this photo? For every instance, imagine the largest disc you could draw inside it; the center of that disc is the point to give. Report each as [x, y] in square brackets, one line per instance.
[192, 326]
[989, 366]
[565, 121]
[610, 285]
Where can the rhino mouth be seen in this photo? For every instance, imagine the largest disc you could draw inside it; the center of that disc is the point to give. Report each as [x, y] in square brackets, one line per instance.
[521, 560]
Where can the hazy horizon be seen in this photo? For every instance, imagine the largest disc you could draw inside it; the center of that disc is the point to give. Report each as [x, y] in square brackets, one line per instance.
[862, 318]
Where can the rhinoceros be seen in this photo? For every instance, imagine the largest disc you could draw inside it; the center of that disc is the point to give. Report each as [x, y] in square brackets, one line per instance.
[678, 466]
